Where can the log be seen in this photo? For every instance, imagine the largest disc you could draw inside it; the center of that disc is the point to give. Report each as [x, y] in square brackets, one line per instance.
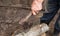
[34, 31]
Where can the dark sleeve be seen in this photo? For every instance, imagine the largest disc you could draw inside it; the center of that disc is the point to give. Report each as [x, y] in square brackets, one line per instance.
[51, 6]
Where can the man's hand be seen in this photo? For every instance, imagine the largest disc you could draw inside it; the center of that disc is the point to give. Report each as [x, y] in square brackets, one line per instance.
[36, 6]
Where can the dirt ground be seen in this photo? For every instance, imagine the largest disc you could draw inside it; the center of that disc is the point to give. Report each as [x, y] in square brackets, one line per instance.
[10, 17]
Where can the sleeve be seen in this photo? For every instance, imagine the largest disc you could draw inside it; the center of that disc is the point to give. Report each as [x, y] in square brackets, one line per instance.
[51, 6]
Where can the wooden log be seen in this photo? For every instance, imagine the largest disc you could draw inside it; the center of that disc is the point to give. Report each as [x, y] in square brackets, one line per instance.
[34, 31]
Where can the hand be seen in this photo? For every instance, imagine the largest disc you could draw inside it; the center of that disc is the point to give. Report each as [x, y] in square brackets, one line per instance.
[36, 6]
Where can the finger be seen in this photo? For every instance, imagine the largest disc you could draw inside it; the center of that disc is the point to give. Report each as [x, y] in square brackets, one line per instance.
[34, 13]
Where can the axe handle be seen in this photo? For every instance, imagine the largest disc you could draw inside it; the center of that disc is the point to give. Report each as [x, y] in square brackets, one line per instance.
[25, 19]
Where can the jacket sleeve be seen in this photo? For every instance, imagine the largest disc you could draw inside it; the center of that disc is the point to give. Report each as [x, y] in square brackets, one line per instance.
[51, 6]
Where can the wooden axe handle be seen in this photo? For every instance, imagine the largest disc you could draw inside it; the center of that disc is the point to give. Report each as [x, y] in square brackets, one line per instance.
[25, 19]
